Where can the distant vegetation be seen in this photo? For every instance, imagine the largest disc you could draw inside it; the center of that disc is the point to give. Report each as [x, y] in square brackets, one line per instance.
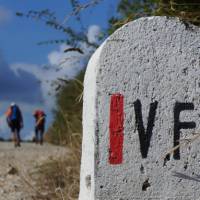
[129, 10]
[67, 125]
[66, 130]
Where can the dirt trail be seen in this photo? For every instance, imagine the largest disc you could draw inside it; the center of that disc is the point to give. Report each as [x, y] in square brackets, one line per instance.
[17, 163]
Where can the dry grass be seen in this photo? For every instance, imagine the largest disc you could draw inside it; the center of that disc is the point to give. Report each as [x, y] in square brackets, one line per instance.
[59, 179]
[183, 143]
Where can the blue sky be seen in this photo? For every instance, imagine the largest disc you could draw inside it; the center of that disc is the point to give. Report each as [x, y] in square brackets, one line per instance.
[22, 60]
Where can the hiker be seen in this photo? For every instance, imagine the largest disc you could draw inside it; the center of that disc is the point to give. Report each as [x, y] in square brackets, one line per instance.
[15, 122]
[39, 125]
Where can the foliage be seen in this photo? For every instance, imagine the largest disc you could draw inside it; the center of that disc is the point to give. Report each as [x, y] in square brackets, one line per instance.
[68, 115]
[187, 10]
[129, 10]
[59, 178]
[71, 36]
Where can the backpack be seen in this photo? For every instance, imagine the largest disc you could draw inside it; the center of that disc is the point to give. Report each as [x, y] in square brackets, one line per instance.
[40, 117]
[15, 114]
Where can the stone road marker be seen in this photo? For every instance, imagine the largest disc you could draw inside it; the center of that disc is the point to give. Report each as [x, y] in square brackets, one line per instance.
[142, 98]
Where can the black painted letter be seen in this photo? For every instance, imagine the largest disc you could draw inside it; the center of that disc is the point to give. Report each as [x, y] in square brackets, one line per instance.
[181, 125]
[145, 136]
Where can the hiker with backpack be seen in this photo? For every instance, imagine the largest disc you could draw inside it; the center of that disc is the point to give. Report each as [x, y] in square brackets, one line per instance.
[40, 120]
[15, 122]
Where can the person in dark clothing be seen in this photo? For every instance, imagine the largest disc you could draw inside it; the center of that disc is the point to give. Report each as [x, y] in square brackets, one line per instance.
[39, 125]
[15, 122]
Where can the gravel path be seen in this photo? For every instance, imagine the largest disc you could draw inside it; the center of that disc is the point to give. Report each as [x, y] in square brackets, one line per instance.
[17, 163]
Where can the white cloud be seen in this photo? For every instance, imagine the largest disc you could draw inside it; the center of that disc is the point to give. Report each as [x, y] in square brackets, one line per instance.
[5, 15]
[93, 34]
[60, 65]
[67, 62]
[18, 86]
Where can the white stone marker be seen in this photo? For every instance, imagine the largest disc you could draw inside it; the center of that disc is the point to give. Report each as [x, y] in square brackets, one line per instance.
[141, 98]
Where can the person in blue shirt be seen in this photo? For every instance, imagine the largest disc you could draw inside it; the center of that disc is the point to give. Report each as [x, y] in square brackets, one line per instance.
[15, 122]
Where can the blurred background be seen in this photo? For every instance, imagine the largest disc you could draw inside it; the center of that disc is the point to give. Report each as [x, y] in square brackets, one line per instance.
[32, 56]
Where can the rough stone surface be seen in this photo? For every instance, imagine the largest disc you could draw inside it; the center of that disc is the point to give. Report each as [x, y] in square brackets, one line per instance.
[150, 59]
